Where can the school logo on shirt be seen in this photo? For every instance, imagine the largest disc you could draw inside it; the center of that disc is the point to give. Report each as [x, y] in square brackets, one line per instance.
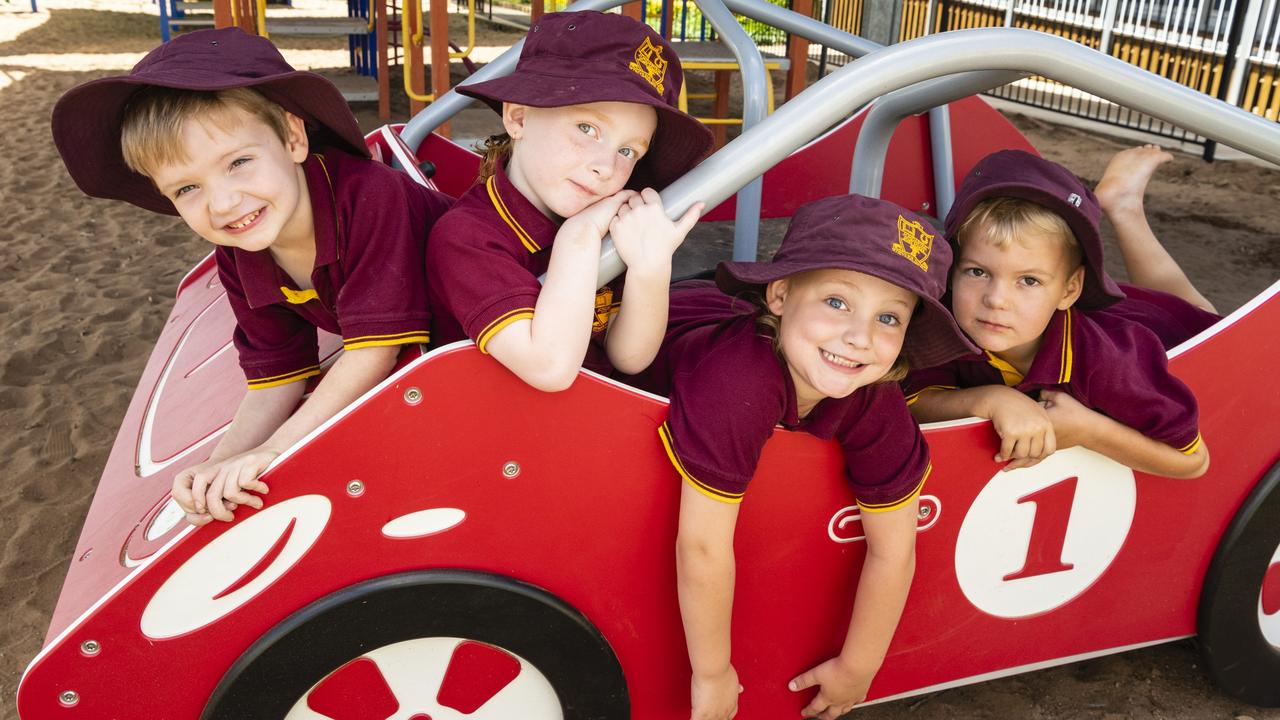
[605, 309]
[649, 64]
[913, 243]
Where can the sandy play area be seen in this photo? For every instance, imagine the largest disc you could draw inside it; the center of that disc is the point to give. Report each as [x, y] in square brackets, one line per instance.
[85, 286]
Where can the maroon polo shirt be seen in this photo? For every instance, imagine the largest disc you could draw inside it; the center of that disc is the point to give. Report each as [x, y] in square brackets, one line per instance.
[729, 390]
[371, 224]
[483, 264]
[1112, 360]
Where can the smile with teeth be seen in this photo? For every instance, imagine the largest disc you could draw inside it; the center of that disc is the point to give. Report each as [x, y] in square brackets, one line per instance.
[841, 361]
[246, 220]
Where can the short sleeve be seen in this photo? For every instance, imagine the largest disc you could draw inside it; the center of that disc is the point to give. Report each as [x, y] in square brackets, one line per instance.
[383, 298]
[276, 345]
[476, 278]
[942, 377]
[886, 456]
[1140, 391]
[723, 411]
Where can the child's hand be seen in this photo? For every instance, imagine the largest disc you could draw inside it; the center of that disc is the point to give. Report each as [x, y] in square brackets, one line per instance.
[1025, 430]
[645, 238]
[212, 490]
[1071, 420]
[594, 220]
[840, 687]
[715, 698]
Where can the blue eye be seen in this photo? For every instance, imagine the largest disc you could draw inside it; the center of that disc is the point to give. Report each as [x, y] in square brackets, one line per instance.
[238, 162]
[888, 319]
[587, 129]
[836, 303]
[183, 191]
[627, 152]
[1030, 281]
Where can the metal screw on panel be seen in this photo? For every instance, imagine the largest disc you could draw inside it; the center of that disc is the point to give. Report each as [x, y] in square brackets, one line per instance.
[510, 469]
[69, 697]
[924, 512]
[90, 647]
[413, 396]
[355, 488]
[924, 205]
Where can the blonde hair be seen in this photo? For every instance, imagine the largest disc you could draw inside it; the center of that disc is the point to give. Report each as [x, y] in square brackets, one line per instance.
[151, 132]
[769, 325]
[1005, 219]
[495, 149]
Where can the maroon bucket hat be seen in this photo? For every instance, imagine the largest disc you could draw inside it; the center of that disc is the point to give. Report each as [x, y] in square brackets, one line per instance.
[1019, 174]
[584, 57]
[876, 237]
[87, 119]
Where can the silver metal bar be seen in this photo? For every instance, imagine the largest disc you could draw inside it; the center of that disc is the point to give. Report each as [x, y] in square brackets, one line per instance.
[832, 98]
[1108, 25]
[1008, 13]
[755, 100]
[890, 110]
[944, 168]
[1248, 40]
[929, 12]
[804, 26]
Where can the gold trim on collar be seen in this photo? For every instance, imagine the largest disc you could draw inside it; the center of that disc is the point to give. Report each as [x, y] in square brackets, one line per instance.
[494, 197]
[333, 199]
[298, 297]
[1064, 369]
[1008, 373]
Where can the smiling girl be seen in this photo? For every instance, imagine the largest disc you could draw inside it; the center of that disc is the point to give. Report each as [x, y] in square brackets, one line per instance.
[590, 117]
[812, 342]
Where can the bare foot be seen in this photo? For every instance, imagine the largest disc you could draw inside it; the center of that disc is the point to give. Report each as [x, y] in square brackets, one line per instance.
[1124, 182]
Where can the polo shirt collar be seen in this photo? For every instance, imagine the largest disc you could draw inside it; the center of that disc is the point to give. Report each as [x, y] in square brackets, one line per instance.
[534, 230]
[263, 281]
[1054, 360]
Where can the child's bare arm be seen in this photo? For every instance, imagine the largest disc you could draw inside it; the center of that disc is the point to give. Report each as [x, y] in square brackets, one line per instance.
[886, 577]
[547, 350]
[260, 413]
[1026, 433]
[1078, 425]
[645, 239]
[353, 374]
[705, 577]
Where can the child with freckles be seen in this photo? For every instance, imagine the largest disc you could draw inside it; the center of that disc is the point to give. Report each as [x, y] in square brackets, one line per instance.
[592, 128]
[1069, 356]
[814, 342]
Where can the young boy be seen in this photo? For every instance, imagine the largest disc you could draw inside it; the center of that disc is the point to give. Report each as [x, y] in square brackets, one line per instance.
[266, 163]
[1029, 288]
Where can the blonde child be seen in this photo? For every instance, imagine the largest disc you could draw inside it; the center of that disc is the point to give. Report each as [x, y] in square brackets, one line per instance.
[590, 117]
[1029, 288]
[850, 299]
[266, 163]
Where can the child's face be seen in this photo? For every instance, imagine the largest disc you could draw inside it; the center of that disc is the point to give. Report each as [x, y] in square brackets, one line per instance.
[239, 185]
[1003, 298]
[567, 158]
[840, 330]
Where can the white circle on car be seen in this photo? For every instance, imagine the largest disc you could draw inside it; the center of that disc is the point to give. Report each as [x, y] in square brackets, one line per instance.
[1035, 538]
[443, 678]
[225, 574]
[1269, 602]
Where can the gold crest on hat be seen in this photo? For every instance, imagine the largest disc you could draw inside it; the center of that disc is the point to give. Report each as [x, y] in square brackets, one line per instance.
[649, 64]
[913, 243]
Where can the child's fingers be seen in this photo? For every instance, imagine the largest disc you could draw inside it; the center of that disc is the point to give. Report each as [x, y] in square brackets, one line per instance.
[213, 498]
[646, 196]
[200, 481]
[1008, 444]
[690, 218]
[182, 491]
[803, 681]
[256, 486]
[199, 519]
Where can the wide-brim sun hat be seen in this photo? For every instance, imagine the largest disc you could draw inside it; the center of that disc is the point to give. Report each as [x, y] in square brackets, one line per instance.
[1020, 174]
[586, 57]
[877, 238]
[87, 119]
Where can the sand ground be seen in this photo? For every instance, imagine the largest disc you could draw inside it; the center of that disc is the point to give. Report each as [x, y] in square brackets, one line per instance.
[85, 286]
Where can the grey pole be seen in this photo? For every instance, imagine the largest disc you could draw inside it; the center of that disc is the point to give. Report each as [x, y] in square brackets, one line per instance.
[746, 221]
[1248, 37]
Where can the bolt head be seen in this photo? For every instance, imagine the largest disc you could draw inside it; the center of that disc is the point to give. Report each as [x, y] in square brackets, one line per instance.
[355, 488]
[90, 647]
[924, 512]
[413, 396]
[69, 698]
[510, 469]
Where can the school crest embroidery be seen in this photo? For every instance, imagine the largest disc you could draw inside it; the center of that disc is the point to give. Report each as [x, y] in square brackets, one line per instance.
[650, 65]
[605, 308]
[913, 243]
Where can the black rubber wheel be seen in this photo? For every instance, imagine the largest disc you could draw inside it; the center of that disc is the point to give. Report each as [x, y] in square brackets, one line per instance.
[1237, 655]
[286, 662]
